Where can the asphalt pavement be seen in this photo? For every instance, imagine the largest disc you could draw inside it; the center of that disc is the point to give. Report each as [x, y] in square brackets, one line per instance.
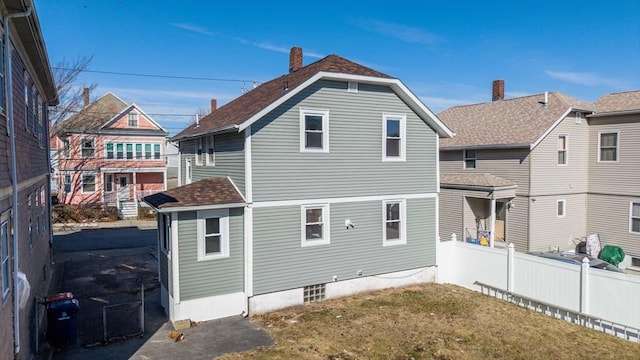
[105, 264]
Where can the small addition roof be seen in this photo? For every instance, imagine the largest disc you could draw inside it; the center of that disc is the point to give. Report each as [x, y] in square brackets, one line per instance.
[212, 192]
[476, 180]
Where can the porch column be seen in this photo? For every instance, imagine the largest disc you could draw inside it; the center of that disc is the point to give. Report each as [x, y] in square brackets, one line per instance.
[135, 188]
[492, 228]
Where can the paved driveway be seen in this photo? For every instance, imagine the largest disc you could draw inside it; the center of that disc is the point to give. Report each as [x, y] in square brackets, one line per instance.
[106, 265]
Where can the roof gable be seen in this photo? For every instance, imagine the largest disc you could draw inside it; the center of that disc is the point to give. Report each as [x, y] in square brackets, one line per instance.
[522, 121]
[248, 108]
[120, 120]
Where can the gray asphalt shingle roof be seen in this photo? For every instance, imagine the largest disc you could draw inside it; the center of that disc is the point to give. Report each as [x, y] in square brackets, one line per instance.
[519, 120]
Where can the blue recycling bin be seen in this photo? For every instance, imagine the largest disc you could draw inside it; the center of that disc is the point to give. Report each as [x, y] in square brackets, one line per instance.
[62, 319]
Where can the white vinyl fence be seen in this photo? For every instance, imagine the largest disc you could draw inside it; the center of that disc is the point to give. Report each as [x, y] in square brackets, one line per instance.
[600, 299]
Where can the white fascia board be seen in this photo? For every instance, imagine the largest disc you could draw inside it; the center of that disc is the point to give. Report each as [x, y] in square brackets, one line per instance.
[401, 90]
[236, 187]
[550, 129]
[199, 207]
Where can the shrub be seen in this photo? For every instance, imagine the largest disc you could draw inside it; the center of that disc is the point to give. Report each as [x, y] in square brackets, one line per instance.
[84, 212]
[146, 213]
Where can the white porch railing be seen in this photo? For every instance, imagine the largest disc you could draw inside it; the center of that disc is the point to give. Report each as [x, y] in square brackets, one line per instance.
[607, 296]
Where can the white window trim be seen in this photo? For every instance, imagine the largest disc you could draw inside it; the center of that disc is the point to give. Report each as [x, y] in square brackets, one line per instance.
[326, 236]
[403, 222]
[82, 141]
[465, 158]
[637, 201]
[165, 225]
[64, 177]
[564, 208]
[199, 153]
[133, 115]
[223, 215]
[403, 136]
[600, 133]
[566, 149]
[5, 224]
[95, 184]
[325, 130]
[188, 171]
[352, 86]
[210, 158]
[106, 181]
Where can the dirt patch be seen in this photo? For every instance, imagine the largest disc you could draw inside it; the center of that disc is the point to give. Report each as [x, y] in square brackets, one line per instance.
[428, 322]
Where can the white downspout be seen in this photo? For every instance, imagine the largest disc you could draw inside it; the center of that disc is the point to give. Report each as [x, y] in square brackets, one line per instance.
[14, 175]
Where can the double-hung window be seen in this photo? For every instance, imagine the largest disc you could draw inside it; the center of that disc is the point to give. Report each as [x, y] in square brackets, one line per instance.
[88, 148]
[109, 148]
[394, 134]
[213, 234]
[165, 233]
[66, 147]
[394, 222]
[199, 151]
[88, 183]
[210, 152]
[608, 147]
[138, 151]
[147, 151]
[561, 208]
[129, 151]
[634, 217]
[108, 182]
[66, 183]
[314, 130]
[469, 159]
[315, 225]
[133, 120]
[119, 151]
[562, 149]
[5, 269]
[156, 152]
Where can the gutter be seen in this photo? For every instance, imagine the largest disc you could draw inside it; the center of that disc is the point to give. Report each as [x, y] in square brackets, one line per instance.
[225, 129]
[614, 113]
[488, 146]
[14, 174]
[477, 187]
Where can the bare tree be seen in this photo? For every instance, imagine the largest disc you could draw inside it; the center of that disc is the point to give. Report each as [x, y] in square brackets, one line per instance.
[70, 93]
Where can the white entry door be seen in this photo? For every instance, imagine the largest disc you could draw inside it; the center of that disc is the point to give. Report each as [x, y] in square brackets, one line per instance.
[123, 187]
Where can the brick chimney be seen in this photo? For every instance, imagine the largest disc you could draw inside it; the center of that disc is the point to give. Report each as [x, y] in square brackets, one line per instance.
[85, 96]
[498, 90]
[295, 59]
[214, 105]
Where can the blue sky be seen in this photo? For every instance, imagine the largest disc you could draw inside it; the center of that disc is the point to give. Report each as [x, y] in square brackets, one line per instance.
[447, 52]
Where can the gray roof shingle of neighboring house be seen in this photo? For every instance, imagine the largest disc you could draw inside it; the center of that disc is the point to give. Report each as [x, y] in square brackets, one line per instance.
[618, 102]
[476, 179]
[518, 121]
[252, 102]
[94, 116]
[207, 192]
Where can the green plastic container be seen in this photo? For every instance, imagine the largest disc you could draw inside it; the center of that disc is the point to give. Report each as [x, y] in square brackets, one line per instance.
[612, 254]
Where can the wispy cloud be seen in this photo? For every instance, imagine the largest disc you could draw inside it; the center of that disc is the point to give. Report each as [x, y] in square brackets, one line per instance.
[587, 79]
[193, 28]
[438, 104]
[277, 48]
[398, 31]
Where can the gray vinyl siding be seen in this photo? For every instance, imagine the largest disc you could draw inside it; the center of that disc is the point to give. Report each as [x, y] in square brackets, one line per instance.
[608, 216]
[510, 164]
[212, 277]
[456, 216]
[549, 178]
[354, 165]
[548, 231]
[622, 177]
[229, 159]
[281, 263]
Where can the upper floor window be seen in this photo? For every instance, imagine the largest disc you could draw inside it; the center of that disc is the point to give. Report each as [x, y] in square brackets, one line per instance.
[66, 146]
[210, 152]
[27, 101]
[634, 217]
[608, 146]
[394, 224]
[5, 266]
[315, 225]
[188, 171]
[132, 151]
[469, 159]
[393, 143]
[165, 233]
[314, 130]
[88, 148]
[66, 183]
[562, 149]
[133, 119]
[213, 234]
[2, 78]
[561, 208]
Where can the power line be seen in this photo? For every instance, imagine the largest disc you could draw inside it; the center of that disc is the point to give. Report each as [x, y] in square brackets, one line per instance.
[159, 76]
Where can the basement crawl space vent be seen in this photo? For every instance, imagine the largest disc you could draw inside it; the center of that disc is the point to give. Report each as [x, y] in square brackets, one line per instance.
[314, 293]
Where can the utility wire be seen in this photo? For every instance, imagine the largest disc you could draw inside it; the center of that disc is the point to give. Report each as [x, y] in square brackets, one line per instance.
[159, 76]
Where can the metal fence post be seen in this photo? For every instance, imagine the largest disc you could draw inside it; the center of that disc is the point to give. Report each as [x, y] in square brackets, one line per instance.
[142, 308]
[104, 324]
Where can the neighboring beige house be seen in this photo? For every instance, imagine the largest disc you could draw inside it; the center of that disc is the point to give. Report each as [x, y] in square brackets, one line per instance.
[541, 171]
[613, 202]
